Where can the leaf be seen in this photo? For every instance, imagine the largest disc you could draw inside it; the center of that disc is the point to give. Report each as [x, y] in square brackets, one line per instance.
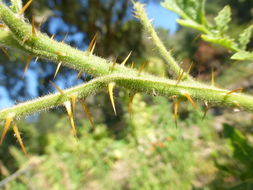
[191, 24]
[223, 41]
[223, 18]
[189, 9]
[242, 55]
[244, 38]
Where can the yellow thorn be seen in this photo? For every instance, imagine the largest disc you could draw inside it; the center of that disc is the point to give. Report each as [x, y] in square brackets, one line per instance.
[212, 77]
[180, 77]
[132, 65]
[40, 23]
[87, 113]
[24, 7]
[176, 104]
[91, 46]
[2, 25]
[110, 90]
[207, 108]
[190, 68]
[6, 127]
[191, 101]
[114, 63]
[6, 52]
[143, 66]
[130, 105]
[33, 26]
[52, 37]
[57, 88]
[236, 90]
[16, 131]
[57, 69]
[73, 101]
[28, 60]
[125, 60]
[79, 74]
[71, 119]
[92, 49]
[65, 37]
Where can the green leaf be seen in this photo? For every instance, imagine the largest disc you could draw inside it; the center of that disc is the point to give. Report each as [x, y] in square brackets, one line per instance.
[192, 24]
[223, 18]
[243, 55]
[223, 41]
[244, 38]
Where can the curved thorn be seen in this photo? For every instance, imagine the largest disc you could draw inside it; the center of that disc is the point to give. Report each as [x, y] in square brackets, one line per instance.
[110, 90]
[6, 127]
[57, 87]
[191, 101]
[87, 113]
[125, 60]
[57, 69]
[16, 131]
[28, 60]
[71, 119]
[24, 7]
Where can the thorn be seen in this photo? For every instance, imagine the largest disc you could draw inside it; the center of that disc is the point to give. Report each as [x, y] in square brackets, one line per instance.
[16, 131]
[73, 101]
[132, 65]
[57, 69]
[176, 104]
[52, 37]
[6, 127]
[33, 27]
[110, 90]
[206, 110]
[28, 60]
[24, 40]
[69, 111]
[190, 68]
[5, 52]
[24, 7]
[130, 110]
[36, 59]
[236, 90]
[143, 66]
[180, 77]
[191, 101]
[92, 44]
[212, 77]
[92, 49]
[125, 60]
[57, 88]
[2, 25]
[40, 23]
[65, 37]
[87, 113]
[79, 74]
[114, 63]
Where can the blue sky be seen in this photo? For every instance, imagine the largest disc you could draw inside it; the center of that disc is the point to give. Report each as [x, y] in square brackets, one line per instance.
[161, 18]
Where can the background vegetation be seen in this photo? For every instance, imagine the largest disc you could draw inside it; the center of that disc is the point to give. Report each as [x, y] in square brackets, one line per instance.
[142, 151]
